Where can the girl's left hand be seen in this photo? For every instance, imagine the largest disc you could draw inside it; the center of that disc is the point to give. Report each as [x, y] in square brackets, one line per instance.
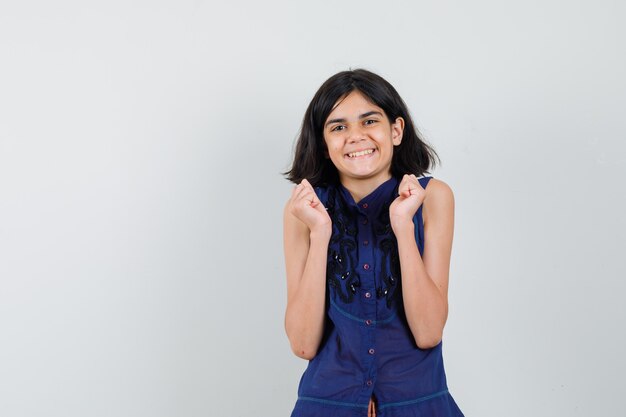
[411, 195]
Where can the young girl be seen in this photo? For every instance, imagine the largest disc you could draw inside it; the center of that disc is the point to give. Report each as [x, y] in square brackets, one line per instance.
[368, 240]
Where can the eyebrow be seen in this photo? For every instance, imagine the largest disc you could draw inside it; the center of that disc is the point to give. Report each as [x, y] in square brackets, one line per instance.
[363, 116]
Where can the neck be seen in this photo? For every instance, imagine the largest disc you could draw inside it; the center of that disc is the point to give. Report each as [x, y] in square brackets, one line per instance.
[360, 188]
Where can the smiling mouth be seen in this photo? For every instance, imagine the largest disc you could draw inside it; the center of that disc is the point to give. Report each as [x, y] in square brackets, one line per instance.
[353, 155]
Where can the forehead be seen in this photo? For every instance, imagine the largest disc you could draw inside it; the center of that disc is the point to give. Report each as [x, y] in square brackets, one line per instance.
[354, 103]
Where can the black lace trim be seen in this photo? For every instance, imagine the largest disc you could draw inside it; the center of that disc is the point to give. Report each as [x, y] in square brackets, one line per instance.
[341, 273]
[390, 260]
[341, 250]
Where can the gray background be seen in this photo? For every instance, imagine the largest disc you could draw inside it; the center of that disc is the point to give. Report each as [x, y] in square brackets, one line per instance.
[141, 263]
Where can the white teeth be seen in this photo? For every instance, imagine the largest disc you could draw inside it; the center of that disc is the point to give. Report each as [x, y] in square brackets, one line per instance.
[360, 153]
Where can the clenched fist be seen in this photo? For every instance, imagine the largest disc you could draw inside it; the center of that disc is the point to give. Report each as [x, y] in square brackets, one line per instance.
[306, 206]
[410, 198]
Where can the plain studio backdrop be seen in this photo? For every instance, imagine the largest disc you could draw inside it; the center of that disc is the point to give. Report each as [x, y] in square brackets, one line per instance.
[141, 145]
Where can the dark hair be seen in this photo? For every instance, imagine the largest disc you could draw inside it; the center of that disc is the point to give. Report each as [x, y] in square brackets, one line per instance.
[412, 156]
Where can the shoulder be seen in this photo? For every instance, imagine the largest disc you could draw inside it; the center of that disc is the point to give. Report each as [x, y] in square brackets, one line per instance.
[438, 201]
[438, 188]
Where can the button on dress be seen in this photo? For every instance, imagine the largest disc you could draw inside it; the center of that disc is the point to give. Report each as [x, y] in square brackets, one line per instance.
[367, 347]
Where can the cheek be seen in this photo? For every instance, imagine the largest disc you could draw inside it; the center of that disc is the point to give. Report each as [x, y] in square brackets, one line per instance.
[328, 144]
[333, 146]
[336, 155]
[335, 149]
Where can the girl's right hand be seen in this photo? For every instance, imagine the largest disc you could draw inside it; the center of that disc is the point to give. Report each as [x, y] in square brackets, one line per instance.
[306, 206]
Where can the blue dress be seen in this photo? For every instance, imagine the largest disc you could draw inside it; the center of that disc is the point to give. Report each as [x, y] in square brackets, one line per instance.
[367, 347]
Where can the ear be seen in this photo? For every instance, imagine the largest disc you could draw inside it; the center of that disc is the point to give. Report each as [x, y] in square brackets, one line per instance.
[397, 130]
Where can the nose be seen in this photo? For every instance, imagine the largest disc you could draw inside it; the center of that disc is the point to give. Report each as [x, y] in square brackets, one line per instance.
[356, 134]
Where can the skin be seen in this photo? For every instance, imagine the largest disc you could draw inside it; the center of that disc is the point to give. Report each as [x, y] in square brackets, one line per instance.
[356, 124]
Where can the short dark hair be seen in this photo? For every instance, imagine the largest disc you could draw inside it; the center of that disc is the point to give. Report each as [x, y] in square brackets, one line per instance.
[412, 156]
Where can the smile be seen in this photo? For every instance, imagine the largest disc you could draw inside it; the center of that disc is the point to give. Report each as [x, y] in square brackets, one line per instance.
[360, 153]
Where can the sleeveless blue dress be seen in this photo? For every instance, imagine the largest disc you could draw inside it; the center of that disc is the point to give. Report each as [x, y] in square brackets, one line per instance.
[367, 347]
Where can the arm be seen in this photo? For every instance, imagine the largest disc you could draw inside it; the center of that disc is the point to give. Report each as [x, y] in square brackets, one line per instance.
[306, 249]
[425, 281]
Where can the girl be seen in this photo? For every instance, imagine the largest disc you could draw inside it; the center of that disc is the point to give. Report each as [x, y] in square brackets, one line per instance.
[368, 241]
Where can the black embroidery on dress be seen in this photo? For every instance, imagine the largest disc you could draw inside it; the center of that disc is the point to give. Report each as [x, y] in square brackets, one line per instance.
[341, 250]
[389, 288]
[341, 274]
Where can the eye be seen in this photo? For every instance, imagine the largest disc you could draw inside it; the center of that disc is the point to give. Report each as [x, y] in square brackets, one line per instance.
[370, 121]
[337, 128]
